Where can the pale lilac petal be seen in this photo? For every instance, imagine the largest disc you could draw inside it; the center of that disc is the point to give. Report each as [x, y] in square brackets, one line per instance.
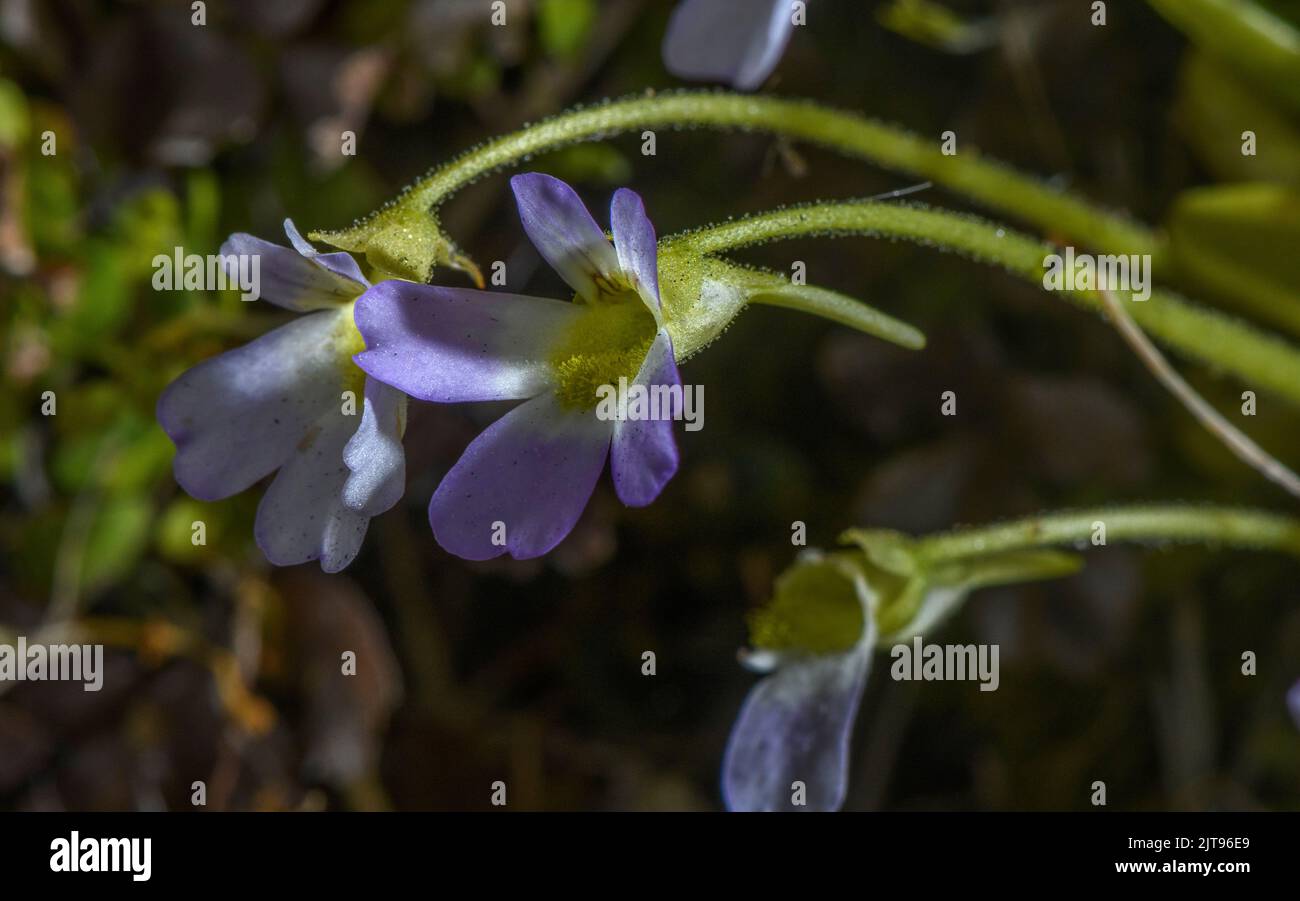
[337, 262]
[528, 475]
[374, 454]
[644, 453]
[236, 417]
[287, 278]
[562, 230]
[737, 41]
[302, 516]
[634, 242]
[795, 726]
[458, 344]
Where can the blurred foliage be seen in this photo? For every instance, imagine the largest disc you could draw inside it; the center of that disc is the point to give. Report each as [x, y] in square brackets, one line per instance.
[221, 669]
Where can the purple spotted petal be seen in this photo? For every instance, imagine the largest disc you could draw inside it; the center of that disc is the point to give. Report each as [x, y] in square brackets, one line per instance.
[634, 242]
[795, 726]
[290, 280]
[457, 344]
[302, 516]
[374, 454]
[644, 453]
[236, 417]
[524, 482]
[562, 230]
[736, 41]
[339, 263]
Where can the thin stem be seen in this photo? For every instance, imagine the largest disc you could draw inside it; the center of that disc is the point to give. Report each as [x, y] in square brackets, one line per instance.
[1237, 441]
[1260, 359]
[996, 186]
[1230, 526]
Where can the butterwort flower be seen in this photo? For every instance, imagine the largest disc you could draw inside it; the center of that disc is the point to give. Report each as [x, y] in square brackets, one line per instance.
[736, 41]
[789, 747]
[280, 405]
[521, 484]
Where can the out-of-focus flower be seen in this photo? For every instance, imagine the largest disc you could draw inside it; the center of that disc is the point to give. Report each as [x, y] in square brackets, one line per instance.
[1293, 703]
[287, 403]
[789, 748]
[522, 484]
[795, 726]
[736, 41]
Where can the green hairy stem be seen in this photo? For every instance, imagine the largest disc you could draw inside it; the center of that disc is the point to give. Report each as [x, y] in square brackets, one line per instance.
[1259, 359]
[1227, 526]
[404, 237]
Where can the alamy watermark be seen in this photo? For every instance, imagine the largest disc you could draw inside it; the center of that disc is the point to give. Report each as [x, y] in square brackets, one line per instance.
[1086, 272]
[76, 854]
[183, 271]
[23, 662]
[923, 662]
[637, 402]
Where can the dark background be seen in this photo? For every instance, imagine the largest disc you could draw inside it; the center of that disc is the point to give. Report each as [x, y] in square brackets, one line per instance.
[223, 669]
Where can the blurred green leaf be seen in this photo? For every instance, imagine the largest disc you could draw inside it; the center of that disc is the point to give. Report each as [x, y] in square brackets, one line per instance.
[592, 163]
[1215, 108]
[15, 122]
[118, 538]
[1246, 36]
[564, 26]
[934, 25]
[1240, 241]
[175, 529]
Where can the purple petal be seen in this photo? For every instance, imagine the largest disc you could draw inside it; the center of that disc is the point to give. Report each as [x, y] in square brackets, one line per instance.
[737, 41]
[795, 727]
[457, 344]
[1293, 703]
[290, 280]
[339, 263]
[236, 417]
[634, 242]
[525, 480]
[302, 516]
[562, 230]
[644, 453]
[374, 454]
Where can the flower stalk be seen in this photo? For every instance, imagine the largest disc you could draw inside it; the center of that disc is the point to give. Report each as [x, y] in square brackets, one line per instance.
[404, 238]
[1258, 358]
[1237, 527]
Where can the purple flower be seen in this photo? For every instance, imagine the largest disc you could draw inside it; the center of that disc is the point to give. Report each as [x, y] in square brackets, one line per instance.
[521, 485]
[789, 748]
[1293, 703]
[736, 41]
[280, 404]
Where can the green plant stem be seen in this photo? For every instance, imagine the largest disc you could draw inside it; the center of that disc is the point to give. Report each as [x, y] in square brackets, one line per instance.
[1257, 358]
[996, 186]
[838, 308]
[1228, 526]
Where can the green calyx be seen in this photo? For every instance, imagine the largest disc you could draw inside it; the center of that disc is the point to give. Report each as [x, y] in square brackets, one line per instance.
[817, 605]
[402, 241]
[815, 608]
[912, 584]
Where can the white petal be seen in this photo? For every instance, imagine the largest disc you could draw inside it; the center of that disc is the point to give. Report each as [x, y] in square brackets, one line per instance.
[302, 516]
[374, 454]
[236, 417]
